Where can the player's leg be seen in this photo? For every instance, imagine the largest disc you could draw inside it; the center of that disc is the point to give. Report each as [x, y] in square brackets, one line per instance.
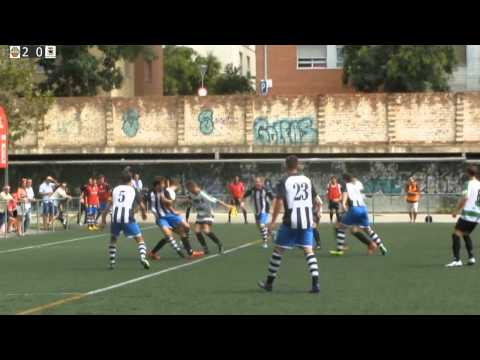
[375, 238]
[261, 220]
[168, 238]
[207, 230]
[94, 217]
[115, 230]
[200, 237]
[312, 263]
[183, 229]
[316, 236]
[285, 239]
[330, 209]
[340, 230]
[356, 231]
[244, 210]
[415, 211]
[232, 202]
[132, 230]
[463, 229]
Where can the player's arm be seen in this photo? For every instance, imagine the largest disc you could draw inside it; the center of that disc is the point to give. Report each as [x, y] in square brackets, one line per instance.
[461, 203]
[345, 200]
[214, 200]
[247, 194]
[277, 208]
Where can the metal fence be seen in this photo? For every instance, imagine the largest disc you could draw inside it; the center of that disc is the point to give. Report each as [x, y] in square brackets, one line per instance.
[378, 204]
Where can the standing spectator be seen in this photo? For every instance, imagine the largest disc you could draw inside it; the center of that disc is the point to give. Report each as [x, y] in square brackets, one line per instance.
[14, 219]
[45, 191]
[334, 195]
[5, 198]
[22, 200]
[104, 194]
[59, 197]
[237, 191]
[83, 209]
[137, 183]
[28, 204]
[413, 195]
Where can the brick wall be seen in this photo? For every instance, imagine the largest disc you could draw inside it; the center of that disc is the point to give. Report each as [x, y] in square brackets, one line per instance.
[337, 123]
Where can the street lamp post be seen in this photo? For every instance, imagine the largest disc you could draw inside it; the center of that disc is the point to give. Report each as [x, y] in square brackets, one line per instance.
[203, 71]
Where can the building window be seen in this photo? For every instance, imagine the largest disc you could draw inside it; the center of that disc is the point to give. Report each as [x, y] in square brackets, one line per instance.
[148, 71]
[339, 56]
[461, 53]
[311, 56]
[241, 63]
[248, 65]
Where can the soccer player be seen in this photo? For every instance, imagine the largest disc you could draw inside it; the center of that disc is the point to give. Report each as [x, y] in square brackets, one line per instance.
[317, 214]
[261, 200]
[237, 190]
[170, 220]
[334, 195]
[413, 195]
[297, 195]
[104, 194]
[469, 205]
[124, 198]
[355, 218]
[92, 203]
[202, 203]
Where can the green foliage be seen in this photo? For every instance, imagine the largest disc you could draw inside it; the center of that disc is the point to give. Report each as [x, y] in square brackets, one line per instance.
[232, 82]
[182, 74]
[22, 101]
[398, 68]
[78, 71]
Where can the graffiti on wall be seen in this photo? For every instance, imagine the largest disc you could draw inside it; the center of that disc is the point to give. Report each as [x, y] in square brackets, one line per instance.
[130, 122]
[284, 131]
[70, 125]
[205, 121]
[208, 119]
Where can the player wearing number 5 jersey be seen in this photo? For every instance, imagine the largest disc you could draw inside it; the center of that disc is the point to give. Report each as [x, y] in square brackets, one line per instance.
[297, 194]
[124, 199]
[469, 205]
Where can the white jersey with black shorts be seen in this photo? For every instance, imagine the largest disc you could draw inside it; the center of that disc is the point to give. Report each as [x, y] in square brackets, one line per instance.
[202, 203]
[470, 216]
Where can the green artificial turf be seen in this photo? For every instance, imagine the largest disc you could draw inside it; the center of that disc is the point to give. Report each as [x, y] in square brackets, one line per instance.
[410, 280]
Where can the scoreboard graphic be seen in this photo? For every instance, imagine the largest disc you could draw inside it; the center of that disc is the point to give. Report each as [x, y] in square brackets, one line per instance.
[32, 51]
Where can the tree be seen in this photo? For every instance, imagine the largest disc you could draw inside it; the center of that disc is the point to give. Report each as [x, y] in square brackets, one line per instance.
[232, 82]
[398, 68]
[22, 101]
[182, 73]
[81, 72]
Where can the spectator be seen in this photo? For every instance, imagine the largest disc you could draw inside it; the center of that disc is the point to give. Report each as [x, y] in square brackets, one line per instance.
[14, 220]
[28, 204]
[22, 200]
[137, 182]
[83, 208]
[46, 191]
[413, 195]
[5, 198]
[59, 198]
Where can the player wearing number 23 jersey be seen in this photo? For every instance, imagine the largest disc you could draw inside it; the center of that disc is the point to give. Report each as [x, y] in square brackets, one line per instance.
[298, 195]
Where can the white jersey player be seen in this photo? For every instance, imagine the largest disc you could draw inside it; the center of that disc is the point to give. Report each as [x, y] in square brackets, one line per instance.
[469, 206]
[122, 204]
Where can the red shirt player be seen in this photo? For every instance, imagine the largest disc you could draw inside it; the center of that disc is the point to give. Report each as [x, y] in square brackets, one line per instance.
[92, 202]
[237, 190]
[104, 193]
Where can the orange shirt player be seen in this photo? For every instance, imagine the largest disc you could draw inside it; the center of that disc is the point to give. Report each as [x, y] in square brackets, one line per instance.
[237, 189]
[104, 193]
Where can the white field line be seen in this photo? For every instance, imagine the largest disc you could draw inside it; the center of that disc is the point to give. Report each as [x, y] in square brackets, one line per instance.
[60, 242]
[128, 282]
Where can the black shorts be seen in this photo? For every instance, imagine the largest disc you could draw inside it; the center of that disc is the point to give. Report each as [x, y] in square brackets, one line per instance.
[204, 222]
[332, 205]
[465, 226]
[235, 202]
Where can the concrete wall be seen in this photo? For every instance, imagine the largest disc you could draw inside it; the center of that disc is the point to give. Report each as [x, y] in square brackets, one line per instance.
[336, 123]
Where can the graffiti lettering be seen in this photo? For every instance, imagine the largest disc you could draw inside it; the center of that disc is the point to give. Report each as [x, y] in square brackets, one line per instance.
[284, 132]
[205, 119]
[131, 123]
